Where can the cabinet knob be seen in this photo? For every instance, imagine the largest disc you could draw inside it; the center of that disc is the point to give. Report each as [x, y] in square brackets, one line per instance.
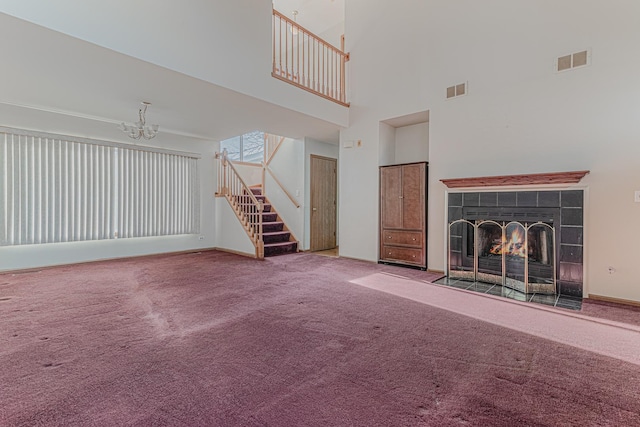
[414, 239]
[389, 237]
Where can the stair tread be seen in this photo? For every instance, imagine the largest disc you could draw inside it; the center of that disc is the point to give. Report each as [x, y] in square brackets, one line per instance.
[275, 233]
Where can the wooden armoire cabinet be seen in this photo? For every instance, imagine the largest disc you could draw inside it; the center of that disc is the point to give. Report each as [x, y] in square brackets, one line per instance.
[403, 214]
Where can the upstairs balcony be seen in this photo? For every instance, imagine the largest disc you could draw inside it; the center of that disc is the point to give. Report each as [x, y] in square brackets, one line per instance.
[305, 60]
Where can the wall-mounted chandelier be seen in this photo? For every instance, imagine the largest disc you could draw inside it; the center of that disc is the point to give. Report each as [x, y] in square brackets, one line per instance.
[140, 129]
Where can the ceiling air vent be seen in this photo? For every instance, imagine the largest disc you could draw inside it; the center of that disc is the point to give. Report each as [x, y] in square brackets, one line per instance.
[457, 90]
[574, 60]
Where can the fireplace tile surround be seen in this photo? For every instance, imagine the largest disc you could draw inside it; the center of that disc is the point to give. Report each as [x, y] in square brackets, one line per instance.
[570, 227]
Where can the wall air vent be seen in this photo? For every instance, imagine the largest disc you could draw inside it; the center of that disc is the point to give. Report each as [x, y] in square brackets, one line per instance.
[574, 60]
[457, 90]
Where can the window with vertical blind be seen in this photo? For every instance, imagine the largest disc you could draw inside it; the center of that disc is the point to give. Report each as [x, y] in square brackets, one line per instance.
[62, 189]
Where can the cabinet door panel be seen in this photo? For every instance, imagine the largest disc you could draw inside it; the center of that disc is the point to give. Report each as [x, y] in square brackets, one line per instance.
[390, 197]
[413, 196]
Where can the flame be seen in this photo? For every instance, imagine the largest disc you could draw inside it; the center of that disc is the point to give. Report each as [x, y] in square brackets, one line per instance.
[514, 246]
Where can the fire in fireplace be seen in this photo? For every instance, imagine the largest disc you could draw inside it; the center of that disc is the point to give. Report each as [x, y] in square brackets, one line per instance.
[519, 254]
[537, 246]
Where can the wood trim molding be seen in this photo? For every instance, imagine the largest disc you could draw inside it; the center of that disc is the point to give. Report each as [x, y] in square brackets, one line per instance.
[48, 267]
[245, 254]
[527, 179]
[613, 300]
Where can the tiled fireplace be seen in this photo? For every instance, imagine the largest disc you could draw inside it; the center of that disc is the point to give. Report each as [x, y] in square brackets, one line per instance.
[531, 241]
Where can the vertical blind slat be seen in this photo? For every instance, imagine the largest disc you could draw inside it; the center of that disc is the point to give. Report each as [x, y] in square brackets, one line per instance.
[3, 189]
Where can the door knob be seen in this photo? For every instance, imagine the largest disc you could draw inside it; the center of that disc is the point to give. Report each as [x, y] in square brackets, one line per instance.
[315, 209]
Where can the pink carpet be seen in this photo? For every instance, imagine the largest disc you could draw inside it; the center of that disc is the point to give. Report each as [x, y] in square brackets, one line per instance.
[214, 339]
[598, 335]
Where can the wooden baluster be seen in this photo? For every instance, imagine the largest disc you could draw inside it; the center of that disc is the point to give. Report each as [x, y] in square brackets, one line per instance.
[273, 42]
[280, 41]
[342, 70]
[333, 73]
[310, 61]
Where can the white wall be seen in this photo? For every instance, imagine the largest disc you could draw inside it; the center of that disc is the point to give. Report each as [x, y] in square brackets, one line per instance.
[324, 149]
[333, 35]
[519, 116]
[387, 141]
[251, 174]
[403, 144]
[288, 167]
[412, 143]
[227, 43]
[31, 256]
[230, 235]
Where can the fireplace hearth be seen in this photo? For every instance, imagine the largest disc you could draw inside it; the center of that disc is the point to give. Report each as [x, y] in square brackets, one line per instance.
[530, 241]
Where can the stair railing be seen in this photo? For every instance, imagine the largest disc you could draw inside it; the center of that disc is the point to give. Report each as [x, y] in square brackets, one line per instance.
[244, 203]
[307, 61]
[271, 145]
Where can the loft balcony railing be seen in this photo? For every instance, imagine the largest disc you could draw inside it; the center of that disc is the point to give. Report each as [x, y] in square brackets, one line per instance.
[307, 61]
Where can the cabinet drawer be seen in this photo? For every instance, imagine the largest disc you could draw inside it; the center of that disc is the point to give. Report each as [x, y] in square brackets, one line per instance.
[406, 238]
[408, 255]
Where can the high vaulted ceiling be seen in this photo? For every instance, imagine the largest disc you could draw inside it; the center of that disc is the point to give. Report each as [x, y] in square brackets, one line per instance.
[47, 70]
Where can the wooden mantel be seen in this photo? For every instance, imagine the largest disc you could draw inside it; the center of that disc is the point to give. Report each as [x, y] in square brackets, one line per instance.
[528, 179]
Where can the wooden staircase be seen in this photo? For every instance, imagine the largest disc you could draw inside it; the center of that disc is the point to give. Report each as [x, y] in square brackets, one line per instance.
[276, 236]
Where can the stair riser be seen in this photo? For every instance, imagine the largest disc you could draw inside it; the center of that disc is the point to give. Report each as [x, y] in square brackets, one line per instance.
[284, 237]
[280, 250]
[252, 208]
[269, 217]
[247, 199]
[268, 228]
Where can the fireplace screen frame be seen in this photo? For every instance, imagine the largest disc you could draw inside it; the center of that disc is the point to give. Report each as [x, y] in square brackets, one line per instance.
[525, 285]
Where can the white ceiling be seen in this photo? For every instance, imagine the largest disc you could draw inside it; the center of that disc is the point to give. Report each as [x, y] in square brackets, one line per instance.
[51, 71]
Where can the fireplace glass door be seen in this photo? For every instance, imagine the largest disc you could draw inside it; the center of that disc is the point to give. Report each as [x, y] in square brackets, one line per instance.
[514, 254]
[462, 259]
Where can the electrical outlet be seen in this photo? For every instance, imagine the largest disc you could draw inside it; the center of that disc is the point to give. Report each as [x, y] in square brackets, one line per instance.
[611, 270]
[359, 143]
